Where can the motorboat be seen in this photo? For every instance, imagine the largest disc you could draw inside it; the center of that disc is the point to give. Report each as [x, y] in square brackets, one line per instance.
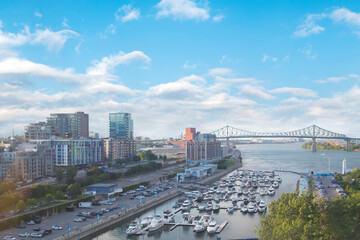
[202, 206]
[251, 208]
[186, 206]
[199, 227]
[209, 207]
[206, 219]
[187, 218]
[196, 219]
[133, 228]
[168, 216]
[216, 208]
[271, 191]
[146, 221]
[156, 223]
[239, 193]
[217, 200]
[244, 209]
[262, 192]
[246, 200]
[212, 227]
[275, 184]
[262, 207]
[278, 179]
[234, 200]
[230, 209]
[245, 192]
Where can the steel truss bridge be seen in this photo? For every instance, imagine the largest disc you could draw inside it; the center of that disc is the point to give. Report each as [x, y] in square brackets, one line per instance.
[312, 132]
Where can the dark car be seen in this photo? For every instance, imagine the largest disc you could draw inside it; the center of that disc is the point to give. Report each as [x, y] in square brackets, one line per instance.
[96, 203]
[70, 209]
[20, 226]
[36, 229]
[37, 219]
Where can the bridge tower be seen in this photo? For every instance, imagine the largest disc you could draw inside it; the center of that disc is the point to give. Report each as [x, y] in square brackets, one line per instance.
[314, 144]
[348, 144]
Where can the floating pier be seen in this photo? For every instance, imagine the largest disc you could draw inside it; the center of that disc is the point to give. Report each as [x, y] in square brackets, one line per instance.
[221, 227]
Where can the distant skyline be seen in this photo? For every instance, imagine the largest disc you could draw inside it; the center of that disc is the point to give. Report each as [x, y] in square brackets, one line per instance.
[256, 65]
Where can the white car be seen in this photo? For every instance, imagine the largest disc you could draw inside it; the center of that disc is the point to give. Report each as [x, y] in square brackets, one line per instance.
[56, 227]
[30, 223]
[9, 238]
[36, 235]
[25, 234]
[78, 220]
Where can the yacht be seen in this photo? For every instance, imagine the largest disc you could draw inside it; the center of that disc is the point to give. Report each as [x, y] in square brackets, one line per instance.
[196, 219]
[216, 208]
[187, 218]
[156, 223]
[278, 179]
[206, 219]
[244, 209]
[217, 200]
[230, 209]
[246, 200]
[202, 206]
[239, 193]
[186, 206]
[262, 192]
[234, 200]
[251, 208]
[245, 192]
[169, 216]
[262, 207]
[199, 227]
[209, 207]
[271, 191]
[275, 184]
[133, 228]
[146, 221]
[212, 227]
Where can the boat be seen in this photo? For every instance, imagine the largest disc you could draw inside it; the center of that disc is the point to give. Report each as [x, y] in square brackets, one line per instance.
[275, 184]
[212, 227]
[202, 206]
[278, 179]
[217, 200]
[271, 191]
[133, 228]
[234, 200]
[239, 193]
[186, 206]
[216, 208]
[251, 209]
[244, 209]
[230, 209]
[262, 207]
[156, 223]
[146, 221]
[262, 192]
[246, 200]
[187, 218]
[196, 219]
[199, 227]
[168, 216]
[245, 192]
[206, 219]
[209, 207]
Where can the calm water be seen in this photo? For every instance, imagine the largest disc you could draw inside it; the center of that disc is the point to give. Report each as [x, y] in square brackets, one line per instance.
[257, 157]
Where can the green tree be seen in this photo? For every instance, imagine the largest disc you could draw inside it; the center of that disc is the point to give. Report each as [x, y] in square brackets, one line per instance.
[31, 202]
[59, 174]
[38, 191]
[21, 205]
[49, 197]
[94, 171]
[71, 172]
[7, 186]
[59, 195]
[74, 189]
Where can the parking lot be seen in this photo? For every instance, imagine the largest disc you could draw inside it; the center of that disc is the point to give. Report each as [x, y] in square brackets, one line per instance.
[67, 219]
[326, 187]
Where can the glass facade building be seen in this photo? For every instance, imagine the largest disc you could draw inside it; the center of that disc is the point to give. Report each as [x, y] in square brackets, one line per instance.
[121, 126]
[70, 125]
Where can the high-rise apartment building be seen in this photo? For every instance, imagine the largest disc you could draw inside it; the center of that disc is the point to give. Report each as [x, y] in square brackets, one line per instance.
[121, 126]
[70, 125]
[119, 149]
[40, 130]
[204, 148]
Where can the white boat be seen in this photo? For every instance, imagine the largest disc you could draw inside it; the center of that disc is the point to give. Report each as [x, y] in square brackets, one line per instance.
[216, 208]
[186, 206]
[209, 207]
[271, 191]
[168, 216]
[146, 221]
[196, 219]
[244, 209]
[262, 192]
[206, 219]
[202, 206]
[217, 199]
[187, 218]
[262, 207]
[199, 227]
[133, 228]
[212, 227]
[230, 209]
[156, 223]
[246, 192]
[278, 179]
[275, 184]
[251, 208]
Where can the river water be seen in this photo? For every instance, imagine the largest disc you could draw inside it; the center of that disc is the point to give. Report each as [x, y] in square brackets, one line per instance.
[257, 157]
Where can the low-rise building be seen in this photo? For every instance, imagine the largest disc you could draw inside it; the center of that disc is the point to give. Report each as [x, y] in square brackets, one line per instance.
[196, 173]
[204, 148]
[119, 148]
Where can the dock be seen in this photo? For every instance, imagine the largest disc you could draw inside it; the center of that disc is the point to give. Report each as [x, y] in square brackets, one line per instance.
[175, 225]
[177, 210]
[221, 227]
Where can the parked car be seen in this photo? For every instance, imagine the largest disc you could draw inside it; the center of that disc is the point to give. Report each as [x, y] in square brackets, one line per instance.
[9, 238]
[36, 235]
[30, 223]
[57, 227]
[37, 219]
[25, 234]
[36, 229]
[20, 226]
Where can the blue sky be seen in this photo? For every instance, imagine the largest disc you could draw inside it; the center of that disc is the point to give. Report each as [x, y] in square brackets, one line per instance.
[255, 65]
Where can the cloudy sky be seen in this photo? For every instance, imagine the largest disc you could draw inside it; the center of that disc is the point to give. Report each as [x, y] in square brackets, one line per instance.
[255, 65]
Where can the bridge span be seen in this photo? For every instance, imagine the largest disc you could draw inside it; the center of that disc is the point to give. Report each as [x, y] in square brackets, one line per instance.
[312, 132]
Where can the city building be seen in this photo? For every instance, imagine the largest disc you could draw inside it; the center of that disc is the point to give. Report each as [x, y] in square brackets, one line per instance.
[70, 125]
[103, 189]
[121, 126]
[190, 135]
[119, 149]
[196, 173]
[40, 130]
[204, 148]
[74, 152]
[94, 135]
[6, 161]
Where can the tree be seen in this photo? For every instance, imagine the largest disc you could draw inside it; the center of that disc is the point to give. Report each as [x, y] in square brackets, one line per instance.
[49, 197]
[71, 172]
[59, 174]
[21, 205]
[31, 202]
[74, 189]
[94, 171]
[38, 191]
[109, 164]
[7, 186]
[59, 195]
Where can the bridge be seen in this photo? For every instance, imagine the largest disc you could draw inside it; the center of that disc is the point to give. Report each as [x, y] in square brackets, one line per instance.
[312, 132]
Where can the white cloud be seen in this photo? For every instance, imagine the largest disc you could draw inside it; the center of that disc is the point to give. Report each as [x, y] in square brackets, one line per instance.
[331, 79]
[106, 87]
[302, 92]
[37, 14]
[219, 71]
[308, 52]
[256, 92]
[347, 16]
[54, 41]
[8, 39]
[187, 65]
[65, 23]
[182, 10]
[267, 57]
[127, 13]
[310, 27]
[218, 18]
[107, 64]
[235, 80]
[353, 75]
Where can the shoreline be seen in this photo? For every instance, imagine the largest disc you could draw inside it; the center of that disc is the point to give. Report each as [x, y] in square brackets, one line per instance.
[110, 221]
